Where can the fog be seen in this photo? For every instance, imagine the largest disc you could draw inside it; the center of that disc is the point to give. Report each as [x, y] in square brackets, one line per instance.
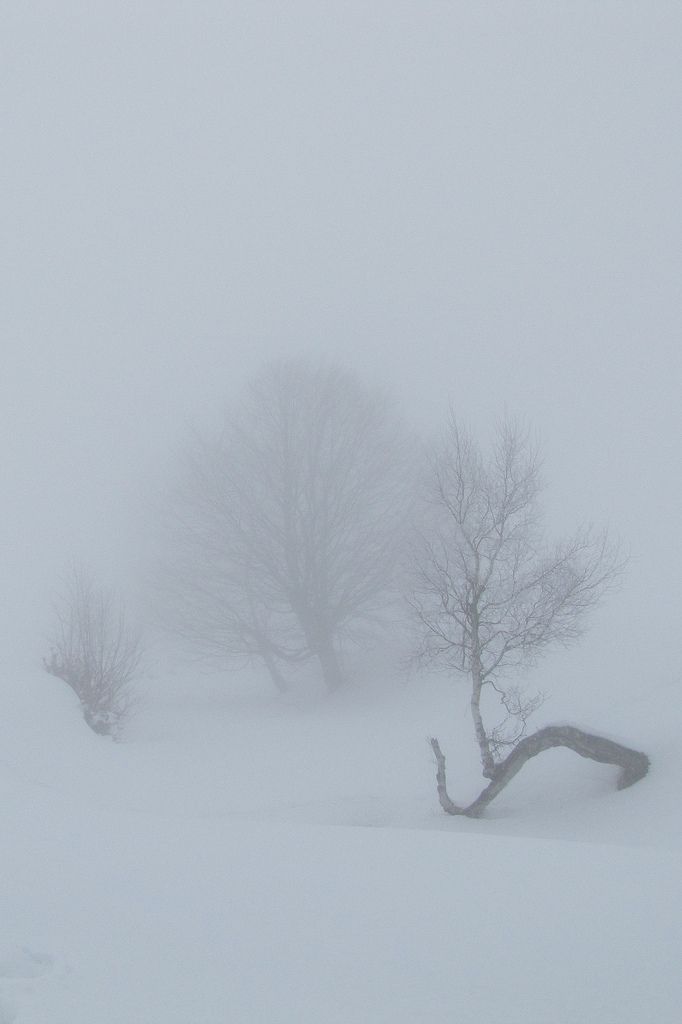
[475, 205]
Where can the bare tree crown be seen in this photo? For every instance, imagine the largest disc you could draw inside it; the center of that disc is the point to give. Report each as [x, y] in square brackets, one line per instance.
[489, 587]
[286, 530]
[490, 592]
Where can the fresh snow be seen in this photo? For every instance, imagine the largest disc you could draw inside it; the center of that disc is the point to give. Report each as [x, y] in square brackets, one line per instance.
[240, 858]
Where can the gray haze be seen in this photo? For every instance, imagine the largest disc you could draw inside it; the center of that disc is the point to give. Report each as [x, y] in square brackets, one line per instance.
[476, 203]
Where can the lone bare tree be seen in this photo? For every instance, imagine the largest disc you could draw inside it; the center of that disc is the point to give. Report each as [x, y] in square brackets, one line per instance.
[95, 651]
[287, 528]
[492, 595]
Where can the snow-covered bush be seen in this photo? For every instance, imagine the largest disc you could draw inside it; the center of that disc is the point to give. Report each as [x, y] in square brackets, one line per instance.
[94, 650]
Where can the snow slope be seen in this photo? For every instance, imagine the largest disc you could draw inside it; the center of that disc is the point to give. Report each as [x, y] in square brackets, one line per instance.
[242, 859]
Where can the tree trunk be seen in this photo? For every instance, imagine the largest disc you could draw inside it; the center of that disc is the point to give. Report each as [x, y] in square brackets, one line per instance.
[320, 641]
[332, 672]
[280, 683]
[634, 764]
[487, 759]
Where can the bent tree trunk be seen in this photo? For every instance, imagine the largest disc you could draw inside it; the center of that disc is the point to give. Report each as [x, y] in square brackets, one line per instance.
[634, 764]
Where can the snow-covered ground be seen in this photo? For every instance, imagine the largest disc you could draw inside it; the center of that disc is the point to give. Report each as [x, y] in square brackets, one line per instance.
[241, 858]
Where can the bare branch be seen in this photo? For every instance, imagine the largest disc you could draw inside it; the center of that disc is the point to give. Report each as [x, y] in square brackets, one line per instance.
[634, 764]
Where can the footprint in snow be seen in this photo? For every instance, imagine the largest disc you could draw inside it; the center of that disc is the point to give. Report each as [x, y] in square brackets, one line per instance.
[22, 962]
[19, 967]
[8, 1011]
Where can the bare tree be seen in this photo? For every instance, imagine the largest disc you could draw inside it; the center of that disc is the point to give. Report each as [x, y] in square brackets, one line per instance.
[287, 528]
[492, 595]
[95, 651]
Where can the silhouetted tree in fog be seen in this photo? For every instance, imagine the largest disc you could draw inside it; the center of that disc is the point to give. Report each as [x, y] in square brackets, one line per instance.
[287, 527]
[95, 651]
[491, 594]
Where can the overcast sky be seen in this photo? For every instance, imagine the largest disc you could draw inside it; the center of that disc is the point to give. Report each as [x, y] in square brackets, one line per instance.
[475, 203]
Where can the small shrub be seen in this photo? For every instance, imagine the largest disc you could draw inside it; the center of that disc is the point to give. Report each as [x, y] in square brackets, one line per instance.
[95, 651]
